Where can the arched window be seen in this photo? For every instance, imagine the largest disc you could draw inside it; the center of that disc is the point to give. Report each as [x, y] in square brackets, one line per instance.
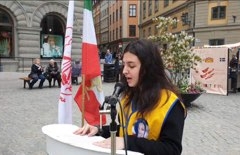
[52, 36]
[6, 43]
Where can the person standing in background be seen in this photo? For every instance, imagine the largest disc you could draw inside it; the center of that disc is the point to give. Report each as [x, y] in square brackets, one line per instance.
[117, 65]
[108, 57]
[233, 73]
[76, 71]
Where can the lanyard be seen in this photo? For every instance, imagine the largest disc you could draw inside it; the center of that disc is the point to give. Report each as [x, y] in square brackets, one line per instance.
[128, 116]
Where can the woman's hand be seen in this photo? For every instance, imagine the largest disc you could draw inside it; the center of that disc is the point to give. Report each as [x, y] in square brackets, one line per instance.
[87, 129]
[107, 143]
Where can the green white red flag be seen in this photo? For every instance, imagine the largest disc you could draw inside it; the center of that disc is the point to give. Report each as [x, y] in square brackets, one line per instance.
[65, 99]
[91, 70]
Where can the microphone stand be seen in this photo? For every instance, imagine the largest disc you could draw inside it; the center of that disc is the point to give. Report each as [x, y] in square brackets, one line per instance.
[113, 100]
[113, 125]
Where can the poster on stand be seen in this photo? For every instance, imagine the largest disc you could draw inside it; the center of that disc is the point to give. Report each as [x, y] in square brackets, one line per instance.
[212, 72]
[51, 46]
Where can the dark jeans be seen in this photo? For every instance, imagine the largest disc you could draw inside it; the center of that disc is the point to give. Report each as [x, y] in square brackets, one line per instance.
[234, 84]
[117, 74]
[233, 76]
[35, 79]
[54, 77]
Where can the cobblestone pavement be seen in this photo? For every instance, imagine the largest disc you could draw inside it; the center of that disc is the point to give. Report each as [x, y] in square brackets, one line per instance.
[212, 126]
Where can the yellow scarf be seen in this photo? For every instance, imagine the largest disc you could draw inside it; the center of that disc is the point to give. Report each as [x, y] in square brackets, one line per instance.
[151, 124]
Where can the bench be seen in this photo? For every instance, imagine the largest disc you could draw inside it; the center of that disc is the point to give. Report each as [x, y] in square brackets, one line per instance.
[26, 80]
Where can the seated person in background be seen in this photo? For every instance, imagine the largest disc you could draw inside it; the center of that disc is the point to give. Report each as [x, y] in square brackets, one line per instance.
[36, 73]
[52, 72]
[76, 71]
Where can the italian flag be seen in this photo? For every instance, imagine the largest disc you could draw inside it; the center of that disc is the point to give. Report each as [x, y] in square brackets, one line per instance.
[90, 95]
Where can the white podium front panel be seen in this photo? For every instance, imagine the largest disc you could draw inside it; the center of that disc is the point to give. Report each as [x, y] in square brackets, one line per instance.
[60, 140]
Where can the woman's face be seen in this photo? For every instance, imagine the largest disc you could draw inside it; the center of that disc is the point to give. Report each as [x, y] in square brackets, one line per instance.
[141, 130]
[131, 68]
[52, 42]
[37, 61]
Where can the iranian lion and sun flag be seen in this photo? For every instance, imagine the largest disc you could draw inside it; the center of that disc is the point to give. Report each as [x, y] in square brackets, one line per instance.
[90, 94]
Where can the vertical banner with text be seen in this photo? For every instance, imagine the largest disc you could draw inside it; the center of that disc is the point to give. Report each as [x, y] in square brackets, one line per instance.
[212, 72]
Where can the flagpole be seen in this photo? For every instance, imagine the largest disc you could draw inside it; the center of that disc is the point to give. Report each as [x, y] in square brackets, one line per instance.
[83, 98]
[91, 85]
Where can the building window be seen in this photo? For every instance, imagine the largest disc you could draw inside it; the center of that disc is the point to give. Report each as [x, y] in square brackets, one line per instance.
[113, 35]
[117, 15]
[4, 17]
[110, 36]
[185, 19]
[144, 33]
[6, 41]
[144, 10]
[219, 12]
[156, 5]
[113, 17]
[120, 31]
[116, 33]
[132, 30]
[149, 8]
[175, 25]
[120, 13]
[165, 3]
[149, 31]
[216, 42]
[132, 10]
[110, 20]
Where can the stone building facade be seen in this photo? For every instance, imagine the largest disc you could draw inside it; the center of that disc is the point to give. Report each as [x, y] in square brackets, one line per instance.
[24, 24]
[116, 23]
[211, 22]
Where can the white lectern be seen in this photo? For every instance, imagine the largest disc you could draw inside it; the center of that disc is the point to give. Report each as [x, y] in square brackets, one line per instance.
[60, 140]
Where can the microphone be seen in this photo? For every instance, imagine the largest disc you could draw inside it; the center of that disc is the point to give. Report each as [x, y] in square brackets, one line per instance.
[106, 100]
[119, 87]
